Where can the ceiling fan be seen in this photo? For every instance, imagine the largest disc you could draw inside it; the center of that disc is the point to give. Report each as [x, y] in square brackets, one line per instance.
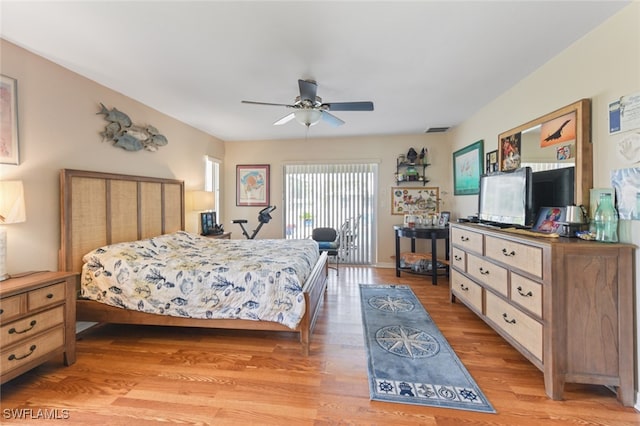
[309, 108]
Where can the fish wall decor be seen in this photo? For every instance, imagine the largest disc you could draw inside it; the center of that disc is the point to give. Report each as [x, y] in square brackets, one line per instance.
[127, 135]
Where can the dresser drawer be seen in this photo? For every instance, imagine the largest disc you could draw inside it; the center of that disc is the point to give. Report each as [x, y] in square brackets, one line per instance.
[24, 328]
[517, 255]
[465, 289]
[521, 327]
[526, 293]
[467, 239]
[17, 355]
[458, 258]
[46, 296]
[11, 307]
[487, 273]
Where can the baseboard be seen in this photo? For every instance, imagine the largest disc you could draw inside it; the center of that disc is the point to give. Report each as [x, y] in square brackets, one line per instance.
[385, 265]
[637, 406]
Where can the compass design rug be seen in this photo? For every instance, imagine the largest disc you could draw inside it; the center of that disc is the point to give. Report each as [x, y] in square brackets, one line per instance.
[409, 360]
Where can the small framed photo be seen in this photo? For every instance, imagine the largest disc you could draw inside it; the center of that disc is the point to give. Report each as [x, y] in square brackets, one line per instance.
[444, 218]
[9, 153]
[549, 219]
[208, 222]
[509, 152]
[491, 161]
[252, 185]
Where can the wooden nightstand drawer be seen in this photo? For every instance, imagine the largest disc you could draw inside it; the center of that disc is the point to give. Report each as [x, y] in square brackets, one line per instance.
[22, 353]
[11, 307]
[46, 296]
[487, 273]
[521, 256]
[521, 327]
[24, 328]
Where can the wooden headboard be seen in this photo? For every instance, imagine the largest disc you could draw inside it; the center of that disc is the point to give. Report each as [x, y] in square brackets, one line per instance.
[97, 209]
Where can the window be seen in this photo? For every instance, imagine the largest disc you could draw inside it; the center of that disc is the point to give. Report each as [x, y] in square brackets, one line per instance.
[212, 182]
[340, 196]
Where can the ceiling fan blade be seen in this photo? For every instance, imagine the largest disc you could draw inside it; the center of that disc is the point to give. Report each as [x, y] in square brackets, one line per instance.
[266, 103]
[349, 106]
[287, 118]
[308, 91]
[331, 119]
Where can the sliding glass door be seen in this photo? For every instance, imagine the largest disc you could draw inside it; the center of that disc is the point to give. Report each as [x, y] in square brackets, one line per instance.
[340, 196]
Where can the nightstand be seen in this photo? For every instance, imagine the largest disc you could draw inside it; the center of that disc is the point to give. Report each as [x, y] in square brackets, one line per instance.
[223, 236]
[37, 321]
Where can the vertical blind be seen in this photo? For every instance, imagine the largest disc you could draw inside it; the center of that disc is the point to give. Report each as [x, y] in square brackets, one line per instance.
[340, 196]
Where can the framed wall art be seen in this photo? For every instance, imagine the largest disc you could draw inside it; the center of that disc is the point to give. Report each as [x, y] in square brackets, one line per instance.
[9, 153]
[414, 200]
[467, 166]
[491, 161]
[509, 152]
[252, 185]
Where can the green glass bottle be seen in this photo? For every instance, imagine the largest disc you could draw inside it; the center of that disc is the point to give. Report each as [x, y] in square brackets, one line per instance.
[606, 220]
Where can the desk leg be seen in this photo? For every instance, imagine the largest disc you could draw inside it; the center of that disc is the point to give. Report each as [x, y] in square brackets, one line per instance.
[397, 255]
[434, 259]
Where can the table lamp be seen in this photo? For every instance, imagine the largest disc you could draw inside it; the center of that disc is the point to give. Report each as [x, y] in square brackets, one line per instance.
[12, 210]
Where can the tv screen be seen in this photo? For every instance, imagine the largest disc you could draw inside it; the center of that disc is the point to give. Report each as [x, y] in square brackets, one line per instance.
[506, 198]
[553, 188]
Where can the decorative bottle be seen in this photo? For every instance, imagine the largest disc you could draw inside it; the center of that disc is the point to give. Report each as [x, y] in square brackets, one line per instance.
[606, 220]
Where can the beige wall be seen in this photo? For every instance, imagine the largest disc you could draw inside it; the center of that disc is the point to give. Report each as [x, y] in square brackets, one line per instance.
[59, 129]
[604, 65]
[382, 150]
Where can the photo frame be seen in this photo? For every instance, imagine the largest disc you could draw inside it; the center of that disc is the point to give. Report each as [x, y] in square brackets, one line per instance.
[444, 218]
[252, 185]
[509, 152]
[491, 161]
[467, 167]
[550, 219]
[208, 222]
[9, 146]
[416, 200]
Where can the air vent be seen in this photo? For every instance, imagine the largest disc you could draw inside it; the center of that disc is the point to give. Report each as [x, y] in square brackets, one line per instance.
[436, 129]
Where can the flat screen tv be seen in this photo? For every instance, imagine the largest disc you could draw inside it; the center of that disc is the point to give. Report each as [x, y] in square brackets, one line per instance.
[553, 188]
[506, 198]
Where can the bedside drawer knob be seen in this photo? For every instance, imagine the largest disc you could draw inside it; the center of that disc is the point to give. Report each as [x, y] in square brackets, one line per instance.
[50, 296]
[12, 330]
[463, 238]
[483, 271]
[524, 294]
[16, 357]
[508, 254]
[464, 288]
[458, 258]
[510, 321]
[1, 311]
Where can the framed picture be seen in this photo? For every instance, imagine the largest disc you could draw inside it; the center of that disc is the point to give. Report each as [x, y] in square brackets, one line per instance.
[252, 185]
[509, 152]
[549, 219]
[491, 161]
[467, 167]
[444, 218]
[208, 222]
[9, 153]
[414, 200]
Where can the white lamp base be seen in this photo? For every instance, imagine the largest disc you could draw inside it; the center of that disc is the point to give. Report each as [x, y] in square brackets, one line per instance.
[3, 255]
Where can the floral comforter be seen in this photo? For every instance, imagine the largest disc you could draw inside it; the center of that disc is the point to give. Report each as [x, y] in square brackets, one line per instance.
[186, 275]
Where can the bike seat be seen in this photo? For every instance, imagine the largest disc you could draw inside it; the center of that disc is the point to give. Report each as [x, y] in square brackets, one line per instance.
[239, 221]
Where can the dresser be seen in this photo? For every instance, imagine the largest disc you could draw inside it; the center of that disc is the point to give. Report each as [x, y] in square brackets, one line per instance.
[564, 303]
[37, 321]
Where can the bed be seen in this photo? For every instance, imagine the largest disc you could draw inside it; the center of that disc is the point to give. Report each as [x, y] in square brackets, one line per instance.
[101, 210]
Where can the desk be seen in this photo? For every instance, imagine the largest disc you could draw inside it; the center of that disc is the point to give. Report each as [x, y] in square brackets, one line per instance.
[434, 233]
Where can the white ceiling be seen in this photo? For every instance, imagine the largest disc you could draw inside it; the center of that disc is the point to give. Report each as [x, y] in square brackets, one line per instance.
[423, 63]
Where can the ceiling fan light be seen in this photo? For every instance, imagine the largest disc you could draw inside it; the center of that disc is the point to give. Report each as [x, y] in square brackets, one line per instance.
[308, 117]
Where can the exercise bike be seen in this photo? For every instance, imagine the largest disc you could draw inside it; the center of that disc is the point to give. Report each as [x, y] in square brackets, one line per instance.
[264, 216]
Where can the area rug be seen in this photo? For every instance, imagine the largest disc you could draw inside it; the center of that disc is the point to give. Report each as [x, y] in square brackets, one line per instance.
[409, 359]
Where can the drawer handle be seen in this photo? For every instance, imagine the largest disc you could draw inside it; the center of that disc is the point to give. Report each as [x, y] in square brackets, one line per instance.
[1, 311]
[456, 257]
[463, 238]
[16, 357]
[483, 271]
[50, 296]
[524, 294]
[13, 330]
[464, 288]
[508, 254]
[510, 321]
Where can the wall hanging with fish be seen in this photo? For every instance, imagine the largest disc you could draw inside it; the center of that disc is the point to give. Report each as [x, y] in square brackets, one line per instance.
[127, 135]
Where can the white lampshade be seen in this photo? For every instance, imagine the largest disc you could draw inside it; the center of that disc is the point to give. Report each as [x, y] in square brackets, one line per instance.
[202, 201]
[308, 117]
[12, 210]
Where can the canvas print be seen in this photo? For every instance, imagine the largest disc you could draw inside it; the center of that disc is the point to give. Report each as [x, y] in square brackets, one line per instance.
[558, 130]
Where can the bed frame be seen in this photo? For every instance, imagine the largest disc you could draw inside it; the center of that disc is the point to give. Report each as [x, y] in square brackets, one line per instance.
[98, 208]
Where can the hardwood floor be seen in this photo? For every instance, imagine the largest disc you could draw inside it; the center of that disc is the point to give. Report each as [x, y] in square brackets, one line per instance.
[137, 375]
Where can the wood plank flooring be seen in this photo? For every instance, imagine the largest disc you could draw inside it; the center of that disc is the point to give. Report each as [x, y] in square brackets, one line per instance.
[136, 375]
